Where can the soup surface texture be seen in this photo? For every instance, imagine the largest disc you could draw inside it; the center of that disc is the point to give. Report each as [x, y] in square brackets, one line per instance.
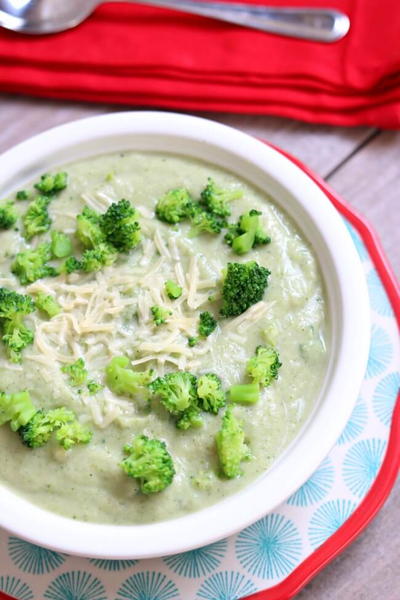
[108, 313]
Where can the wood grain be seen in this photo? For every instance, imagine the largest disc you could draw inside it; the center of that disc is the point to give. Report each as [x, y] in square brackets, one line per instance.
[365, 168]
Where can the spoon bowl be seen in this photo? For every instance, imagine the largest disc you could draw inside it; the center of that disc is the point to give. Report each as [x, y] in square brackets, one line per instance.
[52, 16]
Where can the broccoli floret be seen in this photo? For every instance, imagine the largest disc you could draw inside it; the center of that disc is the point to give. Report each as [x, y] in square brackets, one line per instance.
[16, 336]
[122, 380]
[231, 446]
[174, 206]
[193, 341]
[247, 233]
[77, 372]
[244, 284]
[160, 314]
[120, 227]
[36, 219]
[210, 393]
[217, 199]
[176, 391]
[204, 221]
[22, 195]
[150, 463]
[71, 265]
[172, 289]
[263, 367]
[52, 184]
[8, 215]
[61, 245]
[88, 229]
[94, 260]
[70, 434]
[94, 387]
[207, 324]
[16, 409]
[47, 304]
[31, 265]
[39, 429]
[246, 393]
[191, 417]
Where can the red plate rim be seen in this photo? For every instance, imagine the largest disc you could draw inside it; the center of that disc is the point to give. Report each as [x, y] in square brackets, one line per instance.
[387, 475]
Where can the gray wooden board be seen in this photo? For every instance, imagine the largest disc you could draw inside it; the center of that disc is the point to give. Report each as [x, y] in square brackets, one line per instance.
[361, 164]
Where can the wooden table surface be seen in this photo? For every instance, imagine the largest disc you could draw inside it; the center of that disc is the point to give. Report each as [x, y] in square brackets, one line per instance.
[363, 165]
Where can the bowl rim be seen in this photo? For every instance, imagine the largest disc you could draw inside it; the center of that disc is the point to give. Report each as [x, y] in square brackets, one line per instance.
[346, 289]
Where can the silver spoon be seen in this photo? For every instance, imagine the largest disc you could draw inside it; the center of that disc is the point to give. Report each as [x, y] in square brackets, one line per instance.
[50, 16]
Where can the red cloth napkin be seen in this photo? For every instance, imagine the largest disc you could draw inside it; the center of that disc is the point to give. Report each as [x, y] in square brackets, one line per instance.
[144, 56]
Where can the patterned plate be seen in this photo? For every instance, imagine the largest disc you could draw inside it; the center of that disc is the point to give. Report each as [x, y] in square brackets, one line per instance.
[273, 558]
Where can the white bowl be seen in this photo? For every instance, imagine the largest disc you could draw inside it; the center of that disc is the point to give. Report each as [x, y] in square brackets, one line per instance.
[348, 308]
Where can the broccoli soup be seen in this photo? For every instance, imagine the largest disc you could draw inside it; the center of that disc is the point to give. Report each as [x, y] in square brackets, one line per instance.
[163, 337]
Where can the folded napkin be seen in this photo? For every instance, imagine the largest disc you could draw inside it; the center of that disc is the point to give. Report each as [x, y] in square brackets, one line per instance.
[144, 56]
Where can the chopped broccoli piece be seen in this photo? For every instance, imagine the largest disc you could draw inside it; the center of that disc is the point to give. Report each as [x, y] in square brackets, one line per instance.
[176, 391]
[77, 372]
[244, 284]
[22, 195]
[103, 255]
[16, 336]
[8, 215]
[160, 314]
[210, 393]
[247, 233]
[174, 206]
[217, 199]
[40, 427]
[247, 393]
[120, 227]
[263, 367]
[71, 264]
[122, 380]
[193, 341]
[94, 387]
[52, 184]
[204, 221]
[37, 431]
[231, 446]
[36, 219]
[73, 433]
[150, 463]
[207, 324]
[16, 409]
[31, 265]
[61, 245]
[88, 229]
[172, 289]
[47, 304]
[191, 417]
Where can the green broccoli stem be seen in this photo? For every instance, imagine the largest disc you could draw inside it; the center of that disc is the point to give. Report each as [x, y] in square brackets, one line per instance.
[246, 393]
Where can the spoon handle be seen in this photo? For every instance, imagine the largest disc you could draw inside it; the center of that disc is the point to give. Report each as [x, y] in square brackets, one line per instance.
[323, 25]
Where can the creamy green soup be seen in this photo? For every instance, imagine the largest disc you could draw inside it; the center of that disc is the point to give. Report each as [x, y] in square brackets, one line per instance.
[106, 314]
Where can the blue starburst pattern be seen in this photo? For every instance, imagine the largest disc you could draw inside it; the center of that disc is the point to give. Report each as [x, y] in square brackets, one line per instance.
[197, 563]
[357, 241]
[112, 565]
[316, 487]
[148, 585]
[270, 548]
[355, 424]
[385, 396]
[226, 585]
[33, 559]
[327, 519]
[380, 353]
[15, 588]
[76, 585]
[377, 295]
[361, 465]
